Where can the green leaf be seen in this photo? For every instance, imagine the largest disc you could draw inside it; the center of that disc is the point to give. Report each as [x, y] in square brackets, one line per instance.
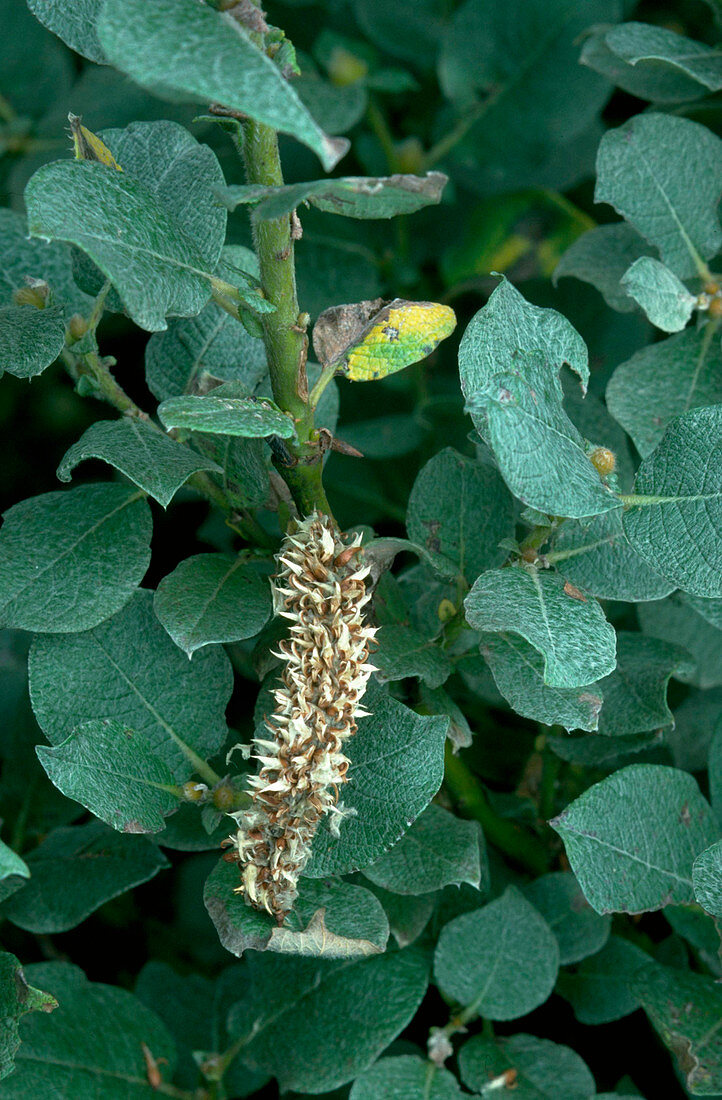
[541, 455]
[212, 598]
[707, 879]
[70, 559]
[157, 267]
[438, 850]
[698, 928]
[594, 555]
[662, 174]
[16, 998]
[543, 1070]
[685, 1009]
[509, 362]
[330, 919]
[225, 413]
[48, 261]
[407, 916]
[114, 773]
[187, 51]
[91, 1046]
[501, 961]
[296, 1012]
[212, 344]
[518, 671]
[568, 629]
[30, 339]
[181, 173]
[404, 652]
[11, 863]
[74, 23]
[600, 257]
[664, 380]
[653, 62]
[397, 765]
[696, 624]
[75, 871]
[351, 196]
[579, 930]
[694, 723]
[675, 518]
[663, 297]
[635, 862]
[152, 461]
[130, 670]
[599, 989]
[514, 68]
[509, 325]
[635, 693]
[408, 1076]
[477, 514]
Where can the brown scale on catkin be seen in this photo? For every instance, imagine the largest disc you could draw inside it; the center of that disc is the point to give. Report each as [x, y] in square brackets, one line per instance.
[320, 589]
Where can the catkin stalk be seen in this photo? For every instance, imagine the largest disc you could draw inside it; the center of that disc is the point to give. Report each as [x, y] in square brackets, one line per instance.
[320, 589]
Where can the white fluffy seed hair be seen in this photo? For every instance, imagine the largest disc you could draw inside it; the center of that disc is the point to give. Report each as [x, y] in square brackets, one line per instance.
[320, 589]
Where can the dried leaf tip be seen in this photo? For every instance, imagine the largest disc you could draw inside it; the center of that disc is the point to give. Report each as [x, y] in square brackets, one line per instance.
[321, 589]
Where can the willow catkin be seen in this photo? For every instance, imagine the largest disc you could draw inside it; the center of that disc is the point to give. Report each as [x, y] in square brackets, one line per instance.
[320, 589]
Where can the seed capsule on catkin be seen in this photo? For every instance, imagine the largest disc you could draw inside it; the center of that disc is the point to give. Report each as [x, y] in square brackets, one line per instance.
[320, 589]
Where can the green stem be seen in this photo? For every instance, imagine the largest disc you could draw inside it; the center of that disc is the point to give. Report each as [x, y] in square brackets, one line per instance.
[284, 332]
[377, 121]
[521, 846]
[321, 382]
[458, 132]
